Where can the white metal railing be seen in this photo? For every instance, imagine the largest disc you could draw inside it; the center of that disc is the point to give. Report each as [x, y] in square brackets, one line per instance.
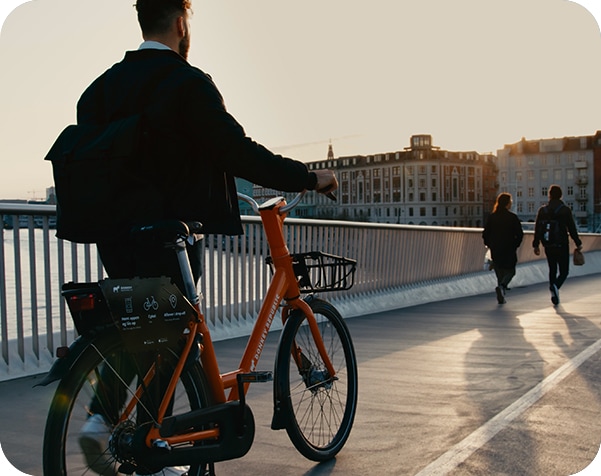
[34, 264]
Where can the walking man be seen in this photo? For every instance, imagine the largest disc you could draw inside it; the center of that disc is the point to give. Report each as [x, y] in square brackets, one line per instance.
[554, 222]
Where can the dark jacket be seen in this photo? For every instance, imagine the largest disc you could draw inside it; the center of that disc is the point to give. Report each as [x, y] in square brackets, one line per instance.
[195, 146]
[503, 235]
[566, 224]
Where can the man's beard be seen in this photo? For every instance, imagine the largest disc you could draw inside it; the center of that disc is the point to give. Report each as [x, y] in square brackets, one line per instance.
[184, 46]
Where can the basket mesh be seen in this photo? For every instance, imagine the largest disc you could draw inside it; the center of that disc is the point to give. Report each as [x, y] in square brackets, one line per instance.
[319, 272]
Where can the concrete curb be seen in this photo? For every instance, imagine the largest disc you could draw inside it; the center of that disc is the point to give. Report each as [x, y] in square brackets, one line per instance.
[483, 282]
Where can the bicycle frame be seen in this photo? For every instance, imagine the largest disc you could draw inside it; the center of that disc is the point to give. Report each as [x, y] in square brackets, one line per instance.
[283, 287]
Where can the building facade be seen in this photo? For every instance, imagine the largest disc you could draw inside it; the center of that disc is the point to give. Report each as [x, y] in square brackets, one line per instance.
[419, 185]
[528, 167]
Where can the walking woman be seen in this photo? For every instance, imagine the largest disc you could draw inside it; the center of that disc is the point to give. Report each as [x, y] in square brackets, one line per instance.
[503, 235]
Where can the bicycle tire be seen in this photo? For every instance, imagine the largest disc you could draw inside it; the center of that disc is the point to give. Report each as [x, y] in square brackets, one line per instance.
[70, 408]
[318, 411]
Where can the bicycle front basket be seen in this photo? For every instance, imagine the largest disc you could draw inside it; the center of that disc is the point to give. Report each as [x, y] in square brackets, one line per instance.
[318, 272]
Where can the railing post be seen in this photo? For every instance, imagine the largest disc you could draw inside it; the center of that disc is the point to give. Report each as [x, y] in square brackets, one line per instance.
[3, 307]
[18, 287]
[33, 289]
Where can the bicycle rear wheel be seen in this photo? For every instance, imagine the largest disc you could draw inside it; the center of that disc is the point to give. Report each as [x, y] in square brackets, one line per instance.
[318, 409]
[98, 384]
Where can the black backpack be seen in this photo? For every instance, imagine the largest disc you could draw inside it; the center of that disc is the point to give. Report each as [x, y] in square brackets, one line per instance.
[101, 190]
[549, 227]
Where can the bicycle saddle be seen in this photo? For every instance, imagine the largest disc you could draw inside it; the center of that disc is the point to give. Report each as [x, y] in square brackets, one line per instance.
[170, 230]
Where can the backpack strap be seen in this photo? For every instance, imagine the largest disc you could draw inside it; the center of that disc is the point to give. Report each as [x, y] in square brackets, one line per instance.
[549, 211]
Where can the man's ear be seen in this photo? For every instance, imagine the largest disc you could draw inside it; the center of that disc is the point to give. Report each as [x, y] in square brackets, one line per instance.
[181, 27]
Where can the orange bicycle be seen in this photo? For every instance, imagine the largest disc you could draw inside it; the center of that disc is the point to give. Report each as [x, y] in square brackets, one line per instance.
[141, 391]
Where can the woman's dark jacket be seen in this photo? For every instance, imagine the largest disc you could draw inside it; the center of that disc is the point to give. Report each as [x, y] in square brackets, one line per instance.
[503, 235]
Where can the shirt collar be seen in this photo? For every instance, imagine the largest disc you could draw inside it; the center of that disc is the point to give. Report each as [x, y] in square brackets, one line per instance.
[153, 45]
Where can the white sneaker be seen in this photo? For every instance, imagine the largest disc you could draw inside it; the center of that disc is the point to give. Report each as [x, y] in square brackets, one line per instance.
[93, 441]
[173, 471]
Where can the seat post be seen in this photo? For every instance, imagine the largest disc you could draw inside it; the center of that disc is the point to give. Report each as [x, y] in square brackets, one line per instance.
[188, 278]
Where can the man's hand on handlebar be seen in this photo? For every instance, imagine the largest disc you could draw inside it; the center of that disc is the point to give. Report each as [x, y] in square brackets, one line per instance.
[326, 182]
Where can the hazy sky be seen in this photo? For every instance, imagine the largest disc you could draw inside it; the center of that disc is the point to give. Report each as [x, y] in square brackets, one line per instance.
[476, 74]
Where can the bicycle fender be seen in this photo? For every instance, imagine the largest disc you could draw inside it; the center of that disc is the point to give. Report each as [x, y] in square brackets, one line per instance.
[280, 418]
[63, 364]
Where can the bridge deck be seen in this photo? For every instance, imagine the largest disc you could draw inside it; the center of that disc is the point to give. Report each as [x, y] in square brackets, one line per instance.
[459, 387]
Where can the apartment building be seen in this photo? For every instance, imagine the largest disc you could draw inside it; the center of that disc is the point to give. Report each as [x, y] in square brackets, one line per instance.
[419, 185]
[528, 167]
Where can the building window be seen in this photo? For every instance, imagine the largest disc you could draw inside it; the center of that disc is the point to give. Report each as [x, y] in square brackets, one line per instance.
[544, 191]
[422, 211]
[557, 175]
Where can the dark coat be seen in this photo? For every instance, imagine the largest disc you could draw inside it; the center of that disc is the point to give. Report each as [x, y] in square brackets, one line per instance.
[566, 224]
[503, 235]
[195, 146]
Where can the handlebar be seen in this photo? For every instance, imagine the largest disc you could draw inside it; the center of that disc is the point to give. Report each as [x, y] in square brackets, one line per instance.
[286, 208]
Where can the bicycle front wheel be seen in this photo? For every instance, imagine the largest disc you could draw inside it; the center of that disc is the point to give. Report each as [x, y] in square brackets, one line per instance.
[318, 408]
[83, 434]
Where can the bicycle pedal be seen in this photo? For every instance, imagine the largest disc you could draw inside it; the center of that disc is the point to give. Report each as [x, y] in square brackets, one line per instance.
[260, 377]
[127, 468]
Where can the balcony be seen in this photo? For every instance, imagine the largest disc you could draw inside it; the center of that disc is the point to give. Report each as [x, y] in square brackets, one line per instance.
[581, 180]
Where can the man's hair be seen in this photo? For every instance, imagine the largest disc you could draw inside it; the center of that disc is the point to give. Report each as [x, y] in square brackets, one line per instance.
[155, 16]
[555, 192]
